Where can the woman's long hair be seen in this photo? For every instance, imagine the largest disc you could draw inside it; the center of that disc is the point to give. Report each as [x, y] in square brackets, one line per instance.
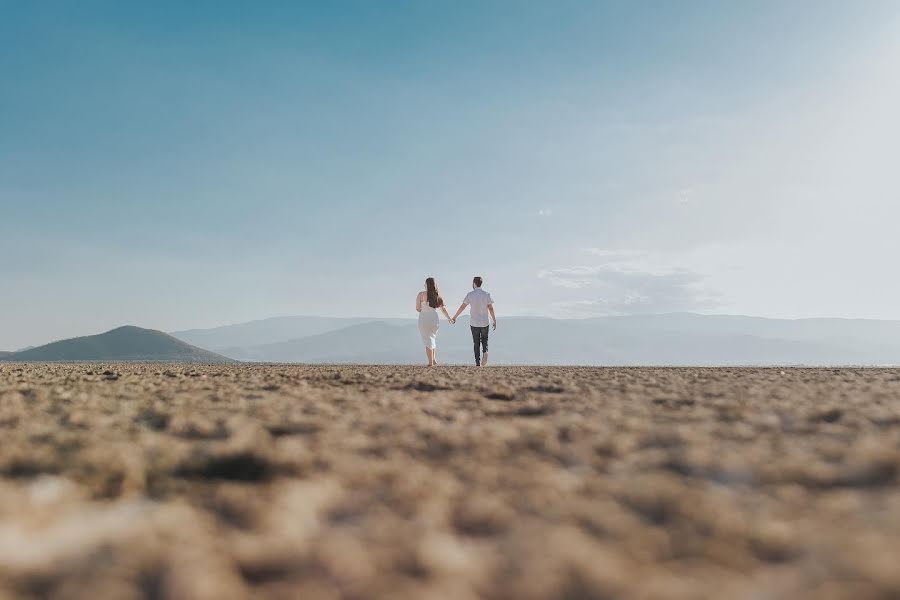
[433, 293]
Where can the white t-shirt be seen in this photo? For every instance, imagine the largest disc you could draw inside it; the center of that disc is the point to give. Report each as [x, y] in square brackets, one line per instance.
[478, 301]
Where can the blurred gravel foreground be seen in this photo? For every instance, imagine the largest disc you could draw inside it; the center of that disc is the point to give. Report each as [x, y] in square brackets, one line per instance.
[326, 482]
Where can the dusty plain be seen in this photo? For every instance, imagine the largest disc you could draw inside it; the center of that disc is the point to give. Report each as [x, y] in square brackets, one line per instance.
[282, 481]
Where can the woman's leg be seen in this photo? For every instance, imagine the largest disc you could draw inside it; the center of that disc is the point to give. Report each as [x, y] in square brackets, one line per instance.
[429, 354]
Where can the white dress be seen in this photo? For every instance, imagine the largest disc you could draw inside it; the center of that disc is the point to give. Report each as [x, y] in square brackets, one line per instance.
[428, 325]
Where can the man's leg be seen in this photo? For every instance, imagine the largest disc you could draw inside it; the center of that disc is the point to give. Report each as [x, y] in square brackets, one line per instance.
[476, 341]
[484, 345]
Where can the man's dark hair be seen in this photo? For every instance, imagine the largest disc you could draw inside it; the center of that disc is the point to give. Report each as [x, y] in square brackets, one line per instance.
[477, 281]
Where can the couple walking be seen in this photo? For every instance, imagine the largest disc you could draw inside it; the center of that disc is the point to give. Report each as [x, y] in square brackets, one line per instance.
[481, 305]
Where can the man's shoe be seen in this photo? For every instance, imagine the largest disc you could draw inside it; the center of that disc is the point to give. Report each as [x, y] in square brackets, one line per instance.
[484, 360]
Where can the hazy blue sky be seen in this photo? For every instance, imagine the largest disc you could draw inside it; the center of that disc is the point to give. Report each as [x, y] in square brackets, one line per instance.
[186, 164]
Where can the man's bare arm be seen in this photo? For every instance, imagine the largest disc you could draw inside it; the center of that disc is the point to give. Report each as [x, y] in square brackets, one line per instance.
[493, 316]
[462, 307]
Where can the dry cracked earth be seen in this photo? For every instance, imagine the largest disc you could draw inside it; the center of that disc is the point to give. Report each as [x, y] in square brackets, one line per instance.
[174, 481]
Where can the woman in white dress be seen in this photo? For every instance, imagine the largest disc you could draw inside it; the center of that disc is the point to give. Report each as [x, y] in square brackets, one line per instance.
[427, 305]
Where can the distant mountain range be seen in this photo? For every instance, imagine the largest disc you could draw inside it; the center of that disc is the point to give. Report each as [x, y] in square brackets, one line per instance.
[667, 339]
[370, 342]
[269, 331]
[122, 344]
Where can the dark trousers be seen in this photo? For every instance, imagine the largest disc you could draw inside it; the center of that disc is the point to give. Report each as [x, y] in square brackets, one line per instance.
[480, 339]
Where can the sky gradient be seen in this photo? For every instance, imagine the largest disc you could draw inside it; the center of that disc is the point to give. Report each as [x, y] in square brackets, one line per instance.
[176, 165]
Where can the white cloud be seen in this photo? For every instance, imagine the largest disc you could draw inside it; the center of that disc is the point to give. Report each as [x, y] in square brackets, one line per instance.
[686, 195]
[628, 282]
[569, 277]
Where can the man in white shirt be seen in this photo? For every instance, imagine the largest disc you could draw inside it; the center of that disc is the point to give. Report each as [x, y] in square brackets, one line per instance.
[481, 305]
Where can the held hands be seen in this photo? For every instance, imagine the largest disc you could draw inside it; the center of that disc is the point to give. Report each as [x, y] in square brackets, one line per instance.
[452, 320]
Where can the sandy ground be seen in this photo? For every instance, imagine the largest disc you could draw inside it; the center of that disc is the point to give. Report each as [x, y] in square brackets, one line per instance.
[169, 481]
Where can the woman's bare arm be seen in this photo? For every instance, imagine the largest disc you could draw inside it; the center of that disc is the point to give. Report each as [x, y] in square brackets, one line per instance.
[419, 302]
[446, 314]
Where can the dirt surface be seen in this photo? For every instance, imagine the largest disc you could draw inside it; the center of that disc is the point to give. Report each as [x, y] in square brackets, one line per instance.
[168, 481]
